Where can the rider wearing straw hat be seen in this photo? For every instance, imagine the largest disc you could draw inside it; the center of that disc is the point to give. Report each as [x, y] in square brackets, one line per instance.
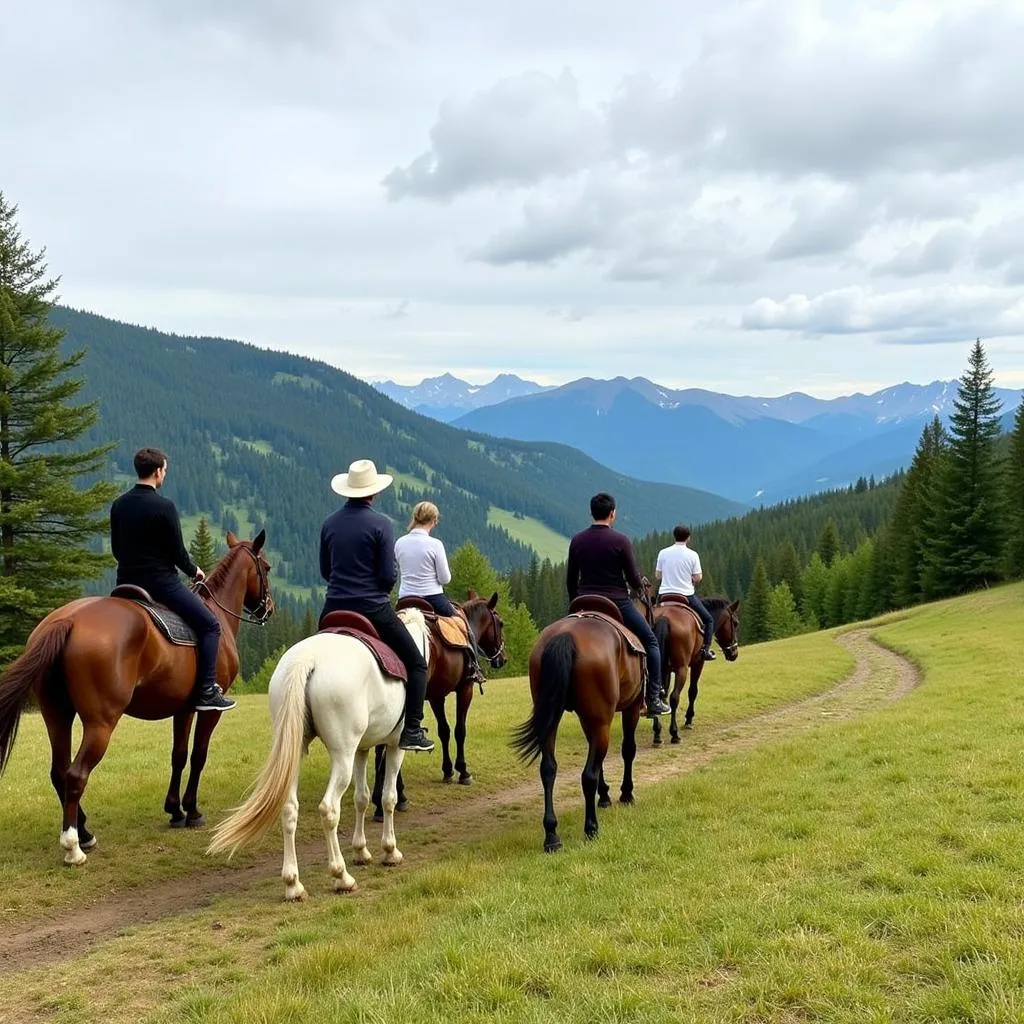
[357, 559]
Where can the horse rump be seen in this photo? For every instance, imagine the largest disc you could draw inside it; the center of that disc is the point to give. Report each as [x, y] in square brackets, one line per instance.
[557, 661]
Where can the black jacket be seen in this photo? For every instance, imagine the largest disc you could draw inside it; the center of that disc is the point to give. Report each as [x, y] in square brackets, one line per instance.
[357, 556]
[145, 538]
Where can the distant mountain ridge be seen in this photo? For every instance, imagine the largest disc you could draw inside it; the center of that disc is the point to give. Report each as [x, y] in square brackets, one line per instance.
[447, 397]
[748, 448]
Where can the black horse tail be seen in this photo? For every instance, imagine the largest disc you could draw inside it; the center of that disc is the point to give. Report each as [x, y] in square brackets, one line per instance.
[31, 667]
[557, 661]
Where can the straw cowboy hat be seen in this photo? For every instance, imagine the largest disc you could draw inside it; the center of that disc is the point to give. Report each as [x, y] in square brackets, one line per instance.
[361, 480]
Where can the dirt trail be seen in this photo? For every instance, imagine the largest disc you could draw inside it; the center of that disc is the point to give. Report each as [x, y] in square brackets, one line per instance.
[880, 677]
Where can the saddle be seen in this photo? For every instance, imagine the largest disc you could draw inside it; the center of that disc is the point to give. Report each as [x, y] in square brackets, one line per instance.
[451, 630]
[362, 629]
[678, 601]
[593, 606]
[173, 627]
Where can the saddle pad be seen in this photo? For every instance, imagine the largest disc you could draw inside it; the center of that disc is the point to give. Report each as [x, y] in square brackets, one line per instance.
[677, 601]
[173, 626]
[632, 643]
[453, 631]
[389, 662]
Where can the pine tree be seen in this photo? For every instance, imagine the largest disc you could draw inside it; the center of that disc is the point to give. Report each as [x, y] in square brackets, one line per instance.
[814, 586]
[1015, 497]
[202, 549]
[783, 619]
[964, 546]
[520, 634]
[755, 606]
[789, 569]
[48, 521]
[829, 543]
[471, 571]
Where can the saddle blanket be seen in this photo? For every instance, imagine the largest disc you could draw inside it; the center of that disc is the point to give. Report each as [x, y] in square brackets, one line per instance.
[172, 626]
[389, 662]
[632, 643]
[453, 631]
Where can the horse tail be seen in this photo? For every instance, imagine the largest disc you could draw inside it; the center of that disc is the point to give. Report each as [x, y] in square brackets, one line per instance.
[270, 791]
[557, 661]
[33, 666]
[662, 633]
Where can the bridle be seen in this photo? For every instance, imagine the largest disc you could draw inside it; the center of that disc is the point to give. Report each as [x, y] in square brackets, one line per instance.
[257, 616]
[729, 649]
[493, 659]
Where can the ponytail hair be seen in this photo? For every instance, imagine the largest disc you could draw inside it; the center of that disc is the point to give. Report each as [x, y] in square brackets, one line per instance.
[424, 514]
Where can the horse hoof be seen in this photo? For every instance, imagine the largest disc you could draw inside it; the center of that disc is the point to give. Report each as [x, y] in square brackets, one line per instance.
[466, 780]
[402, 805]
[590, 836]
[392, 858]
[379, 817]
[627, 798]
[296, 895]
[448, 778]
[657, 741]
[198, 822]
[89, 843]
[341, 886]
[363, 856]
[605, 801]
[179, 822]
[552, 845]
[687, 725]
[675, 737]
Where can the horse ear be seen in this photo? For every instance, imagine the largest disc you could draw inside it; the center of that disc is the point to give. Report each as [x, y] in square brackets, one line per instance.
[471, 594]
[493, 603]
[231, 539]
[260, 540]
[734, 606]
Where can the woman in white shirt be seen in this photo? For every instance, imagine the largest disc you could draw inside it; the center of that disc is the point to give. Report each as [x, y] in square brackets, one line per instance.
[424, 567]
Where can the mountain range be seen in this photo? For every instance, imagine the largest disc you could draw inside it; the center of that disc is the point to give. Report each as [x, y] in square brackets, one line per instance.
[748, 448]
[254, 437]
[447, 397]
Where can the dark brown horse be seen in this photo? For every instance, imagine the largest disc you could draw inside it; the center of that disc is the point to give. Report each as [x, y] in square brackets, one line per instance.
[103, 657]
[679, 639]
[582, 664]
[448, 674]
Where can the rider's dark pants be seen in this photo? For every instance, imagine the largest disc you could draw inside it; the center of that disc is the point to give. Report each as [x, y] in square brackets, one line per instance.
[176, 596]
[705, 617]
[393, 632]
[441, 604]
[634, 620]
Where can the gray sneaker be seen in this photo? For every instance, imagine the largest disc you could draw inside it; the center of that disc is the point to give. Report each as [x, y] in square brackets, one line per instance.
[214, 701]
[656, 706]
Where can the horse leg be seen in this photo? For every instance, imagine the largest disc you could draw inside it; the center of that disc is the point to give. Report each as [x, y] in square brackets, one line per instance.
[598, 739]
[604, 798]
[59, 717]
[179, 758]
[673, 703]
[378, 781]
[293, 888]
[362, 801]
[95, 738]
[443, 734]
[330, 814]
[630, 718]
[392, 766]
[695, 672]
[548, 771]
[200, 748]
[463, 699]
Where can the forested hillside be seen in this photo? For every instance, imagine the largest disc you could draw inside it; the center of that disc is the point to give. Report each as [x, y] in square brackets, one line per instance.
[254, 438]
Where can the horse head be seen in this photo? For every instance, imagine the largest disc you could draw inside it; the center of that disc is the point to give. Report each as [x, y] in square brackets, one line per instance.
[488, 627]
[258, 600]
[727, 627]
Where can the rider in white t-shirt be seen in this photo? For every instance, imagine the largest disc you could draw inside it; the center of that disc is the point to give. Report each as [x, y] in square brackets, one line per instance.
[679, 569]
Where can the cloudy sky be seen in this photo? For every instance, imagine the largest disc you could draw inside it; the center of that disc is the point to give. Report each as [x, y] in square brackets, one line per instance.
[747, 196]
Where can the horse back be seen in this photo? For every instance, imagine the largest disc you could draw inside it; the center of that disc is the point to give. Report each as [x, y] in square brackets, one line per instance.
[684, 638]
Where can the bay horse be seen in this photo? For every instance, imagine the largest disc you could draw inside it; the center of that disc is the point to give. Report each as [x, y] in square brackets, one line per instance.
[447, 675]
[586, 665]
[103, 657]
[680, 641]
[328, 685]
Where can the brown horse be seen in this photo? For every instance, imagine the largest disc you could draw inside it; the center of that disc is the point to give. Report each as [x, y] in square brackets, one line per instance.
[679, 639]
[103, 657]
[448, 674]
[584, 665]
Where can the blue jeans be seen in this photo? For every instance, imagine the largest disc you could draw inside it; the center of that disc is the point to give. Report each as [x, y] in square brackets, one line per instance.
[634, 620]
[441, 604]
[183, 602]
[705, 617]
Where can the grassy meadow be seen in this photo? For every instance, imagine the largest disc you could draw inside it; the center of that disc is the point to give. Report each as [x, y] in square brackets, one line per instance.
[868, 869]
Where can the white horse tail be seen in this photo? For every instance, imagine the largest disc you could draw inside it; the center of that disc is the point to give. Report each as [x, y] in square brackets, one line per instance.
[270, 791]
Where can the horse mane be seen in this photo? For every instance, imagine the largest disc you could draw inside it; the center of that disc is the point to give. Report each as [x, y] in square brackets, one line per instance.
[223, 567]
[716, 604]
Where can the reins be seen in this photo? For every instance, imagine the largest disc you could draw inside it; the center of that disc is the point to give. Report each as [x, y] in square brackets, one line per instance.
[258, 616]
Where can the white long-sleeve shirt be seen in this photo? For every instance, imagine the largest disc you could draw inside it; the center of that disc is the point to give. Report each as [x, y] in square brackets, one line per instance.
[422, 563]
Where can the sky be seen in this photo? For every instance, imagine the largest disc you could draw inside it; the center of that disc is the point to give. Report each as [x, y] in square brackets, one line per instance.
[753, 197]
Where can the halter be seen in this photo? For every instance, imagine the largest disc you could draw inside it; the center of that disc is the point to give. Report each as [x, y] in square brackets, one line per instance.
[259, 615]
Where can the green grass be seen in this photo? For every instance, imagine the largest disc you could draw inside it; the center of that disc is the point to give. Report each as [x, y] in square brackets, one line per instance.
[866, 870]
[257, 445]
[305, 382]
[546, 542]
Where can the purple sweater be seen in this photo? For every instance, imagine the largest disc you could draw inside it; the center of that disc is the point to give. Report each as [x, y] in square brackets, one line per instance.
[601, 562]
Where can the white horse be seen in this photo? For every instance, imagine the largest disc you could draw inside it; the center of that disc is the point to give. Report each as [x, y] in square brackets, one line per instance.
[328, 685]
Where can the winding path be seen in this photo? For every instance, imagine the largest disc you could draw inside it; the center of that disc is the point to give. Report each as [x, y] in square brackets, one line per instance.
[880, 677]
